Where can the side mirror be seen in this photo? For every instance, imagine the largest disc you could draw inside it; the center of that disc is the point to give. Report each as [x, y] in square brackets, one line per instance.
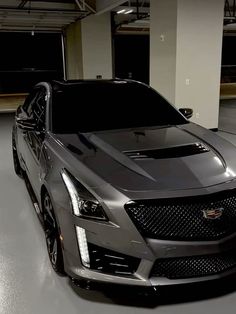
[187, 112]
[26, 124]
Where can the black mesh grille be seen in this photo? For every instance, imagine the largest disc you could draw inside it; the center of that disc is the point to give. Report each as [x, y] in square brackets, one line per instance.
[182, 219]
[194, 266]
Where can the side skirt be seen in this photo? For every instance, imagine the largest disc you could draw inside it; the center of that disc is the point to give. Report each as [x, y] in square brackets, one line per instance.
[33, 198]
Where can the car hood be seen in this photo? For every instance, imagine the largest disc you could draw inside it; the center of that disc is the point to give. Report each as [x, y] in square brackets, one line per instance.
[170, 158]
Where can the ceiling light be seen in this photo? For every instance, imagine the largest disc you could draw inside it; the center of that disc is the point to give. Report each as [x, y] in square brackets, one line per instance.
[121, 11]
[129, 11]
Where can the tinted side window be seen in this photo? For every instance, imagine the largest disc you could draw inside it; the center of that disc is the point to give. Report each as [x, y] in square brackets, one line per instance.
[28, 104]
[39, 109]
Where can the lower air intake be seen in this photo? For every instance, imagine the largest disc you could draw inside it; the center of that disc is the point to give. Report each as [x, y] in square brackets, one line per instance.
[194, 266]
[111, 262]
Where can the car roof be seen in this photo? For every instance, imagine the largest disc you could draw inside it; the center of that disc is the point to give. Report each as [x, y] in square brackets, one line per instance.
[67, 83]
[81, 81]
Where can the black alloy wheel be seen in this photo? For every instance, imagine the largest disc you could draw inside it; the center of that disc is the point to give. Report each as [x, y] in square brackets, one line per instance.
[52, 236]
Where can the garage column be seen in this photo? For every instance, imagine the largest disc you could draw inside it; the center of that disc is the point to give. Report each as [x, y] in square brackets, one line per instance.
[89, 48]
[185, 55]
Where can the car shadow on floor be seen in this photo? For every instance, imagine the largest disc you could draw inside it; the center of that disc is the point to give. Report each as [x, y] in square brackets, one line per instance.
[163, 296]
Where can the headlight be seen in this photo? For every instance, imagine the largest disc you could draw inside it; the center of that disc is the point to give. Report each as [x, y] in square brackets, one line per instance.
[84, 204]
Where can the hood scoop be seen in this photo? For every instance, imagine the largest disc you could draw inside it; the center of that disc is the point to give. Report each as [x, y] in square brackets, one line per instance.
[169, 152]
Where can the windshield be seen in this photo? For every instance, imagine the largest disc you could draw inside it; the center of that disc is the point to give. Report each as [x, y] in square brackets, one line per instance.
[97, 106]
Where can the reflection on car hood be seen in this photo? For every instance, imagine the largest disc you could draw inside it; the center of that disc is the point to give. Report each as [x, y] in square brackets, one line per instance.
[170, 158]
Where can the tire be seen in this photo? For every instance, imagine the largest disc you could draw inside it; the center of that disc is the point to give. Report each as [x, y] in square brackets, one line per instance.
[52, 235]
[17, 167]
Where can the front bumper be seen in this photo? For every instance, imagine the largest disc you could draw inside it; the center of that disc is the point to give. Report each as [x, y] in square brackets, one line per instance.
[122, 237]
[143, 276]
[90, 279]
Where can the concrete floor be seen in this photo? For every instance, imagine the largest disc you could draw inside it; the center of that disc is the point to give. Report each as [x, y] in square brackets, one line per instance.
[28, 284]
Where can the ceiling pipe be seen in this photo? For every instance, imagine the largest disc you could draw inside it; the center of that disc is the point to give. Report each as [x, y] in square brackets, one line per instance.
[42, 10]
[90, 8]
[22, 4]
[81, 6]
[84, 5]
[137, 6]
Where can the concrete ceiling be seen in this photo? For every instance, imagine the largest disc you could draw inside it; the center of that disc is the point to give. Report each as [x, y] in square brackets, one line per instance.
[137, 21]
[54, 15]
[230, 16]
[50, 15]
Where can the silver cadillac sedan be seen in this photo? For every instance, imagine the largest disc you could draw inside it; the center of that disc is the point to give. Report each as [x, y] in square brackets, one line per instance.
[129, 192]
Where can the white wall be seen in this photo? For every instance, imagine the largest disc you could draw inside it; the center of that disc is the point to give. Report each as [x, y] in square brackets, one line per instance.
[163, 53]
[97, 46]
[89, 48]
[73, 45]
[199, 47]
[191, 50]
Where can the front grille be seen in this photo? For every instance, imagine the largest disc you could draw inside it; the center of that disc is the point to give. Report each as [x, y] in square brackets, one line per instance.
[111, 262]
[183, 219]
[194, 266]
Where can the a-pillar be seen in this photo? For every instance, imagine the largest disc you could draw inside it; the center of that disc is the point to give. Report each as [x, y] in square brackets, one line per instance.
[88, 47]
[185, 55]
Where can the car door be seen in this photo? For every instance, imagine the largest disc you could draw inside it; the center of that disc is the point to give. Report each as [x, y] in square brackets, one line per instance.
[25, 111]
[33, 139]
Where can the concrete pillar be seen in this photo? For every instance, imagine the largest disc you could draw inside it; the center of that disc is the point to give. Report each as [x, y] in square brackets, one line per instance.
[89, 48]
[73, 51]
[185, 57]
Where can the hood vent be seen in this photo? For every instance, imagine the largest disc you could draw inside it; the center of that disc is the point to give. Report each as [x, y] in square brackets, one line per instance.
[170, 152]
